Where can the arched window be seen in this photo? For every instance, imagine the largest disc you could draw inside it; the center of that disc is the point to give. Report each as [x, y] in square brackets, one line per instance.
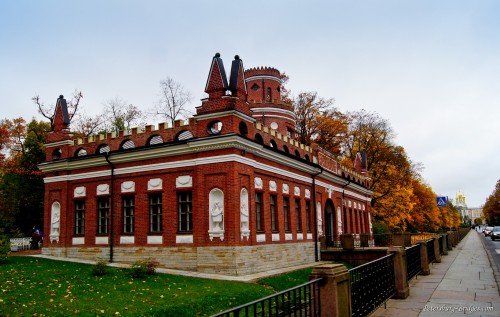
[103, 148]
[269, 95]
[243, 129]
[297, 153]
[285, 149]
[274, 145]
[80, 152]
[155, 139]
[127, 144]
[214, 127]
[184, 135]
[306, 157]
[56, 154]
[258, 139]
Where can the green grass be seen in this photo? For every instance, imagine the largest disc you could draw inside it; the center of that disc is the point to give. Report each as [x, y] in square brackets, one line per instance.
[41, 287]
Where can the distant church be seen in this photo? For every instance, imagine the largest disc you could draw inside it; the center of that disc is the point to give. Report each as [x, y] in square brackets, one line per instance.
[230, 191]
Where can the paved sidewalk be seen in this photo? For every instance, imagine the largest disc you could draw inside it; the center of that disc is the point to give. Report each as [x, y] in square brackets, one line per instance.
[462, 284]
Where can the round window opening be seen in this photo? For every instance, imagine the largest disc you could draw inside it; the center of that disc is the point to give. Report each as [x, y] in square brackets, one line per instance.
[215, 127]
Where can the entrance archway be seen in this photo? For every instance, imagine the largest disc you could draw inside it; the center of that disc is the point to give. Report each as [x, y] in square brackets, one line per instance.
[330, 223]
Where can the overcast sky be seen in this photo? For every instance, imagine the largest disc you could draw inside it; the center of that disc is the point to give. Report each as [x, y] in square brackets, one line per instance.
[430, 67]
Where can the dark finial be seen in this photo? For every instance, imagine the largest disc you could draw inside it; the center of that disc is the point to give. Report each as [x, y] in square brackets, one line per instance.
[236, 57]
[217, 54]
[61, 97]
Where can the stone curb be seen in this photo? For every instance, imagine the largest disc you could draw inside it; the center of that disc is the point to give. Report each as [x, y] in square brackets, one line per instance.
[493, 265]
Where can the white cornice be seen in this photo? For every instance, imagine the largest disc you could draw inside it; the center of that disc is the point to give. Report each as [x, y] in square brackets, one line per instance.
[216, 115]
[263, 77]
[60, 143]
[272, 109]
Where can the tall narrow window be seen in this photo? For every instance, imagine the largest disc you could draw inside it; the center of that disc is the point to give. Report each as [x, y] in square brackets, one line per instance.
[79, 217]
[286, 213]
[259, 213]
[298, 214]
[185, 210]
[269, 95]
[155, 213]
[274, 216]
[128, 214]
[308, 215]
[102, 215]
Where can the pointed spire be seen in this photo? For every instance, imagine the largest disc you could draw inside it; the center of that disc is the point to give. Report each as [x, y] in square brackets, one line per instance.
[61, 117]
[217, 81]
[237, 80]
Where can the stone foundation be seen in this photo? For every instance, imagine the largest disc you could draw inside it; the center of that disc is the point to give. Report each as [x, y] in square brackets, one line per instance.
[234, 261]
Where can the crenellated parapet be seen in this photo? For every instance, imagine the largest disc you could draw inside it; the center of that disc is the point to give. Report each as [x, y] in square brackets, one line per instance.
[262, 71]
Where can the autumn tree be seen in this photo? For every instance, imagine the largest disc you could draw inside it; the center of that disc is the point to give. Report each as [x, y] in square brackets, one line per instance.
[173, 100]
[21, 183]
[425, 215]
[491, 208]
[48, 111]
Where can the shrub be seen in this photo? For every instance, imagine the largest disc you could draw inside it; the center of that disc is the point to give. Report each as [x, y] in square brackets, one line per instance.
[142, 268]
[100, 268]
[4, 248]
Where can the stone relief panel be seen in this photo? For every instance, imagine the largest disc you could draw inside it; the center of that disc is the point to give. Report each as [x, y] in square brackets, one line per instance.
[339, 219]
[184, 181]
[296, 191]
[128, 187]
[155, 184]
[272, 186]
[216, 214]
[320, 219]
[244, 219]
[308, 193]
[80, 191]
[102, 189]
[286, 189]
[55, 221]
[258, 183]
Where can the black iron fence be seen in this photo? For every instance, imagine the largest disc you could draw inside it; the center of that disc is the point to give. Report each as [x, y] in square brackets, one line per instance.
[431, 256]
[302, 300]
[413, 261]
[372, 284]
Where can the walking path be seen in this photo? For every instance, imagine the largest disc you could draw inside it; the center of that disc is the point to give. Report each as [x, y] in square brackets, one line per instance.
[462, 284]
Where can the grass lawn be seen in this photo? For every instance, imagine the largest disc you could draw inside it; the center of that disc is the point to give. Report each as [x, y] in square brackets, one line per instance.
[41, 287]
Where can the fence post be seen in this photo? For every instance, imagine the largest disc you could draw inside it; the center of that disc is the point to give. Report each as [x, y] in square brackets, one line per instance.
[334, 289]
[424, 258]
[437, 254]
[444, 244]
[400, 272]
[449, 241]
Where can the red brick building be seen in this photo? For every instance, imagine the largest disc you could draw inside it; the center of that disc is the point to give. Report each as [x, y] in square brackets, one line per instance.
[230, 191]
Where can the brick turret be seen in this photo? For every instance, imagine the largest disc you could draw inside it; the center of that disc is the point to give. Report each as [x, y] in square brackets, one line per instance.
[264, 95]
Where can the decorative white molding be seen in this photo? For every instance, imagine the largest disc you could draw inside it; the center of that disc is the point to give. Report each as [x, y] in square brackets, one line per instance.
[101, 240]
[78, 241]
[339, 219]
[258, 184]
[309, 236]
[261, 237]
[363, 207]
[244, 223]
[80, 191]
[127, 239]
[300, 236]
[155, 184]
[183, 239]
[307, 193]
[155, 240]
[272, 186]
[296, 191]
[184, 181]
[102, 189]
[128, 187]
[288, 236]
[275, 237]
[286, 189]
[216, 214]
[320, 219]
[349, 203]
[55, 222]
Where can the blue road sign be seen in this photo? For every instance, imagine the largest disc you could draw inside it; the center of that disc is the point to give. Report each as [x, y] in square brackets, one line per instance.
[441, 201]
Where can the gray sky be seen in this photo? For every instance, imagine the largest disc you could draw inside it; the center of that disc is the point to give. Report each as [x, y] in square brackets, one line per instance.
[430, 67]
